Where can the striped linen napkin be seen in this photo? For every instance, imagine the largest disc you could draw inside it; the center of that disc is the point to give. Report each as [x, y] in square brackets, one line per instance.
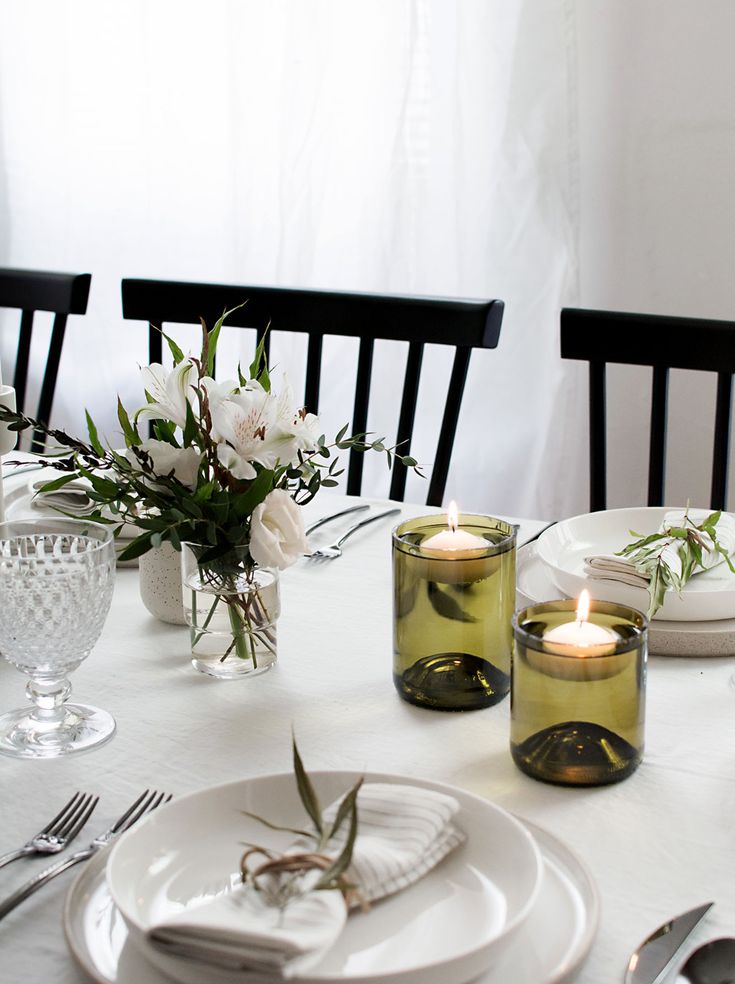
[403, 832]
[614, 568]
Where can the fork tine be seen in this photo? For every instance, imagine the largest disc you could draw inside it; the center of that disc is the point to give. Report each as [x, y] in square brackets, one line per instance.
[61, 814]
[71, 817]
[118, 825]
[152, 801]
[87, 810]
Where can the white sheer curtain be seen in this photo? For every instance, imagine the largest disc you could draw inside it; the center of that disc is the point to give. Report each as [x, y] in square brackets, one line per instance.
[407, 146]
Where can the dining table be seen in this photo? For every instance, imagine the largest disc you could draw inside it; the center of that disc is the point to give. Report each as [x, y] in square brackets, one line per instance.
[656, 844]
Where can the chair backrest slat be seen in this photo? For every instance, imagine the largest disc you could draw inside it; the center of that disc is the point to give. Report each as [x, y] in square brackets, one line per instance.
[406, 418]
[598, 436]
[657, 449]
[360, 412]
[462, 324]
[22, 359]
[313, 372]
[721, 451]
[663, 343]
[452, 407]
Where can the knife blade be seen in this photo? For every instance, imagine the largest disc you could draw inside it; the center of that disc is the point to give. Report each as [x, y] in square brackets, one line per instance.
[650, 961]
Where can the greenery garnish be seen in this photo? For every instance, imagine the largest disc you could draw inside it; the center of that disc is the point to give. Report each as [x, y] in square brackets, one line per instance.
[652, 555]
[288, 867]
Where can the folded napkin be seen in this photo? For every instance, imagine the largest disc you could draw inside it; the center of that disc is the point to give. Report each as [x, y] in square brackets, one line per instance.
[403, 832]
[614, 568]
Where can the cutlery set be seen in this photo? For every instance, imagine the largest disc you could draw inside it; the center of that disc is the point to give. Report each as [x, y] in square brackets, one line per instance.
[334, 550]
[62, 830]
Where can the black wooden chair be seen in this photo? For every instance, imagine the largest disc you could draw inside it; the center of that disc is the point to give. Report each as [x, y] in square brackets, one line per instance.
[35, 290]
[462, 324]
[664, 343]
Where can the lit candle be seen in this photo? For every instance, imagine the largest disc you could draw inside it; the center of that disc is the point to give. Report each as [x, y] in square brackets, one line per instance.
[453, 538]
[583, 647]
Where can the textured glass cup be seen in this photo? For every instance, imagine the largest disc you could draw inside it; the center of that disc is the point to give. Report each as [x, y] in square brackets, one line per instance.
[452, 612]
[231, 606]
[578, 719]
[56, 582]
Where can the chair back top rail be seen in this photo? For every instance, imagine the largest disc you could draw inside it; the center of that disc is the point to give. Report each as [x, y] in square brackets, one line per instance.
[39, 290]
[393, 317]
[648, 340]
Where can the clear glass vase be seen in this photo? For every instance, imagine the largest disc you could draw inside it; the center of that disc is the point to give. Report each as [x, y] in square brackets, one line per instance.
[231, 606]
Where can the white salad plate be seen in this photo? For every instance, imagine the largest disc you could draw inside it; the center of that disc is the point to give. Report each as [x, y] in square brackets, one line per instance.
[717, 638]
[706, 597]
[451, 925]
[551, 946]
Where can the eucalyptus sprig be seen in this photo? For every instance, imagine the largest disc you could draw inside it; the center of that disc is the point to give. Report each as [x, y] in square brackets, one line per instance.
[321, 832]
[672, 555]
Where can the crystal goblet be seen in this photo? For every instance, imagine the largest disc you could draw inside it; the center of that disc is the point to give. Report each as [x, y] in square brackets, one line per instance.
[56, 582]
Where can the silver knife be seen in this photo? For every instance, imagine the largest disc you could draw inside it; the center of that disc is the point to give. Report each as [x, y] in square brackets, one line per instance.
[653, 958]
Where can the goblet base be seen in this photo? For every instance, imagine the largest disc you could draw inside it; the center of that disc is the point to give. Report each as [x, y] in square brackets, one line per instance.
[26, 735]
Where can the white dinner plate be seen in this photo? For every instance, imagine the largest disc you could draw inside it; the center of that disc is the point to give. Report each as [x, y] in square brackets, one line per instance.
[551, 946]
[534, 585]
[563, 548]
[450, 926]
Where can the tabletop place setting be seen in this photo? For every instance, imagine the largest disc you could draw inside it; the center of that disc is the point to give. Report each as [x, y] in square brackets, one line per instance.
[197, 531]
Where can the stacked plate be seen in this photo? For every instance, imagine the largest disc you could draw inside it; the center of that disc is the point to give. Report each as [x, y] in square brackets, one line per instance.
[699, 622]
[512, 903]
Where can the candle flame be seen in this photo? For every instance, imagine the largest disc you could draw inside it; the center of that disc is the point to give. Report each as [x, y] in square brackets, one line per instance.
[583, 606]
[453, 516]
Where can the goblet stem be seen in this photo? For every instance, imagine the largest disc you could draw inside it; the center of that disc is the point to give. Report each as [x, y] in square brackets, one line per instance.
[48, 696]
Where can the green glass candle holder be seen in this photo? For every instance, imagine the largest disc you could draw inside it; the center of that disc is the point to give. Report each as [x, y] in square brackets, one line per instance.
[578, 714]
[452, 633]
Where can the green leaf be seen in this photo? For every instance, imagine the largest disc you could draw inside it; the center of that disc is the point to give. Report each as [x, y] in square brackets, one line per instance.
[58, 483]
[129, 431]
[259, 365]
[178, 355]
[214, 337]
[345, 807]
[307, 791]
[342, 863]
[140, 545]
[93, 437]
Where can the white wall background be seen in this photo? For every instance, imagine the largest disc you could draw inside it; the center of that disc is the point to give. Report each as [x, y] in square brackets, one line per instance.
[544, 152]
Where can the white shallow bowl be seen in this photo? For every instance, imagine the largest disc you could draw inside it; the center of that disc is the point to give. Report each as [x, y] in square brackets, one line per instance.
[563, 548]
[450, 926]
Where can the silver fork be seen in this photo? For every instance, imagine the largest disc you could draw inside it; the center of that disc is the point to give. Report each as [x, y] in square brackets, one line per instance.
[335, 549]
[58, 832]
[145, 803]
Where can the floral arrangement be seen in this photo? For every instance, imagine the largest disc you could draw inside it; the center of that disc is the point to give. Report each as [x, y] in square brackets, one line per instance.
[229, 463]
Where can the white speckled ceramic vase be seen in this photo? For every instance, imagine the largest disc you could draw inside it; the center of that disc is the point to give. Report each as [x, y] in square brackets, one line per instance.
[160, 584]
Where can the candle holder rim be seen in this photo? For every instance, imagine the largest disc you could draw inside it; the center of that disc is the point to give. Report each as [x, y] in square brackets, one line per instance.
[507, 542]
[638, 620]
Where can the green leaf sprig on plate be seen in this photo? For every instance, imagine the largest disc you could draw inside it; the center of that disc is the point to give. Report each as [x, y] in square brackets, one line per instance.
[672, 555]
[285, 870]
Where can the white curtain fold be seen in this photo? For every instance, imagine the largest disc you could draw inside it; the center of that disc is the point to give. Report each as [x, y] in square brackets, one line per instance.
[403, 146]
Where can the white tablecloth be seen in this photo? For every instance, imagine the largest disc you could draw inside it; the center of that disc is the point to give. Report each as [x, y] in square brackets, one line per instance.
[658, 843]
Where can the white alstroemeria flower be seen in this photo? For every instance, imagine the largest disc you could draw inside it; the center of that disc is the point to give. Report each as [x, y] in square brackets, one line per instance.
[183, 462]
[303, 426]
[247, 421]
[216, 393]
[171, 391]
[277, 536]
